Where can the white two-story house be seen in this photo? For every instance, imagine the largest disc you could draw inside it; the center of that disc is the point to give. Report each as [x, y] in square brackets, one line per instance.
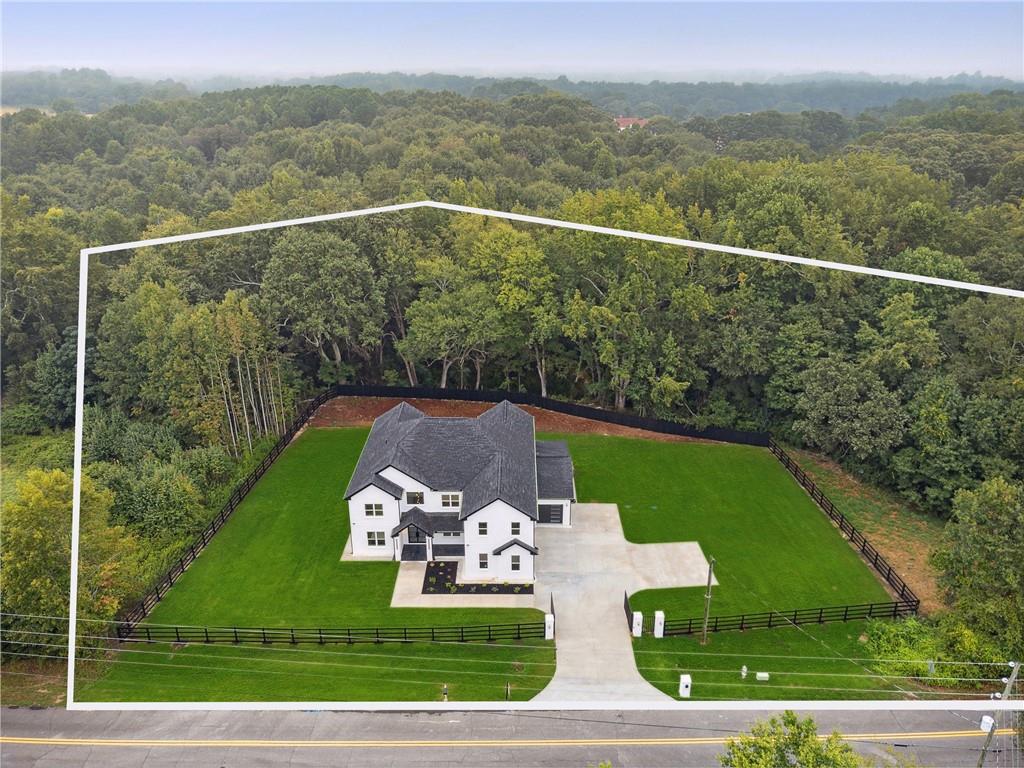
[474, 489]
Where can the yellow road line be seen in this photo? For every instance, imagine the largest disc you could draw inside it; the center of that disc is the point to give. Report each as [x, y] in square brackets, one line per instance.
[459, 743]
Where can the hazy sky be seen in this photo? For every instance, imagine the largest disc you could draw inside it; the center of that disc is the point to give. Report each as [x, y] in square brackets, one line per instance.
[576, 39]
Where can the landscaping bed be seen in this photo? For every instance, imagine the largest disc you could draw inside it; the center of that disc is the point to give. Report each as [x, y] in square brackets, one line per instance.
[441, 578]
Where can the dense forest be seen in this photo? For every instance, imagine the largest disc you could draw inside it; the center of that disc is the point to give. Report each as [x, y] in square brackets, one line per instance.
[199, 353]
[91, 90]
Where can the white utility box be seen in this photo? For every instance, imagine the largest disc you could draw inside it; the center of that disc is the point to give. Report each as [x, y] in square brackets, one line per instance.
[685, 684]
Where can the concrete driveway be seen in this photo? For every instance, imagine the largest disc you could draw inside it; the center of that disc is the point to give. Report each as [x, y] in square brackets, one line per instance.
[588, 568]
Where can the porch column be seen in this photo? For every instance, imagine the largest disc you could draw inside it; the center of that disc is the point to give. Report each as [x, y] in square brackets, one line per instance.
[430, 548]
[397, 541]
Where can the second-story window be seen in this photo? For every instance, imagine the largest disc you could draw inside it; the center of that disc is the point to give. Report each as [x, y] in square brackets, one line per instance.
[450, 500]
[374, 510]
[414, 497]
[515, 529]
[481, 528]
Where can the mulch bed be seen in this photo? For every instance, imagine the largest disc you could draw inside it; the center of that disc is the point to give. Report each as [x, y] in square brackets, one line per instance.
[440, 578]
[361, 411]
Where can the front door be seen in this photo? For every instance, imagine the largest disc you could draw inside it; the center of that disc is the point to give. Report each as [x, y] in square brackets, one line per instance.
[416, 536]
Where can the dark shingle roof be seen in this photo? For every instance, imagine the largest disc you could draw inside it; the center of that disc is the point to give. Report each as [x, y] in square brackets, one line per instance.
[515, 543]
[487, 458]
[415, 517]
[554, 470]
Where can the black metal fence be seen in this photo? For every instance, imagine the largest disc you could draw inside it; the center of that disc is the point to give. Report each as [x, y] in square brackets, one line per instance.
[324, 636]
[560, 406]
[155, 593]
[872, 555]
[629, 611]
[770, 619]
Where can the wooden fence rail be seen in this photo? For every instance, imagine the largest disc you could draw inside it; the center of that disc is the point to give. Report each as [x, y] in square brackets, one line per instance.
[324, 636]
[872, 555]
[771, 619]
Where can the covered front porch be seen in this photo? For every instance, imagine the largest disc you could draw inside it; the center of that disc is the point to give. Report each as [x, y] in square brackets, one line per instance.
[413, 537]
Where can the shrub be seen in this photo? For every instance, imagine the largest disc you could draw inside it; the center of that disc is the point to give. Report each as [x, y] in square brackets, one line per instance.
[22, 419]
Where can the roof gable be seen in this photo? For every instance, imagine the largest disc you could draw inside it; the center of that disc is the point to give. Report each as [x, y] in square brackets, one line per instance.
[487, 458]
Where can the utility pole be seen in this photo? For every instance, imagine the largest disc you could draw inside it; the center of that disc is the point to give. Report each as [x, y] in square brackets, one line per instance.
[1007, 692]
[707, 603]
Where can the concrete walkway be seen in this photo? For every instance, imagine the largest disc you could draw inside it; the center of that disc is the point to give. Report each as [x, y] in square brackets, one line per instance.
[587, 568]
[409, 594]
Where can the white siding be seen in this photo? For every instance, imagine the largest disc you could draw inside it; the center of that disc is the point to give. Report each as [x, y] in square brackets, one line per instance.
[431, 498]
[360, 524]
[499, 517]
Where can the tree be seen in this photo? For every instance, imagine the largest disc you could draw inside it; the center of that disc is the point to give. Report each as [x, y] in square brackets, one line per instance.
[323, 290]
[53, 380]
[846, 409]
[37, 551]
[788, 741]
[981, 561]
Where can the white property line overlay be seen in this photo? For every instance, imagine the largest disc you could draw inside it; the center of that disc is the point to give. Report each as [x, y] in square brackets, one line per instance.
[76, 508]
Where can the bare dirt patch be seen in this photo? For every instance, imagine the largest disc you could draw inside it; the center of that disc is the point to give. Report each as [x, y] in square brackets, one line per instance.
[905, 538]
[361, 411]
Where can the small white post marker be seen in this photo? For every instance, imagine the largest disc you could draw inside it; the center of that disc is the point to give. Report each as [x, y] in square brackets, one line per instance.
[659, 623]
[638, 623]
[549, 626]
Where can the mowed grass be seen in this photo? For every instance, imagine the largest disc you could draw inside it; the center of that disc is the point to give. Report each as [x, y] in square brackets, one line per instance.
[774, 549]
[827, 661]
[277, 564]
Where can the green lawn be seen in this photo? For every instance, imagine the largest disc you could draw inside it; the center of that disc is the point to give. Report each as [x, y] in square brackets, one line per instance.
[831, 665]
[277, 563]
[774, 549]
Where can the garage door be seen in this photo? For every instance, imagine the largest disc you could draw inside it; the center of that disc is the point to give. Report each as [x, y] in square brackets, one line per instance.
[549, 513]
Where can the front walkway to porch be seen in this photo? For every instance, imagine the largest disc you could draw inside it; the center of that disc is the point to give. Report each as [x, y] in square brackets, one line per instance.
[408, 593]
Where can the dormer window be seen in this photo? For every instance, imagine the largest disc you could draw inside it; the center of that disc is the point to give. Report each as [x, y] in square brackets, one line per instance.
[451, 500]
[414, 497]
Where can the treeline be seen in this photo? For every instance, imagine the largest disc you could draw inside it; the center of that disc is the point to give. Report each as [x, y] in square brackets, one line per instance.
[91, 90]
[916, 387]
[82, 90]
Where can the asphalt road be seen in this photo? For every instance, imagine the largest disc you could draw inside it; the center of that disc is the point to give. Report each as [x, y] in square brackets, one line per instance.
[57, 737]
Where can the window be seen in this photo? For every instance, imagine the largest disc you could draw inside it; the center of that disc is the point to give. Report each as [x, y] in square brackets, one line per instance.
[375, 538]
[374, 510]
[515, 562]
[450, 500]
[515, 529]
[414, 497]
[483, 561]
[481, 528]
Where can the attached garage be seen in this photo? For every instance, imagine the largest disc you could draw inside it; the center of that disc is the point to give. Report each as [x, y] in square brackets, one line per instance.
[556, 486]
[550, 513]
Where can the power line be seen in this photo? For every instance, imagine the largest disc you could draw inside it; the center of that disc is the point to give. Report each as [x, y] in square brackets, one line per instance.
[325, 664]
[285, 647]
[821, 658]
[838, 674]
[224, 669]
